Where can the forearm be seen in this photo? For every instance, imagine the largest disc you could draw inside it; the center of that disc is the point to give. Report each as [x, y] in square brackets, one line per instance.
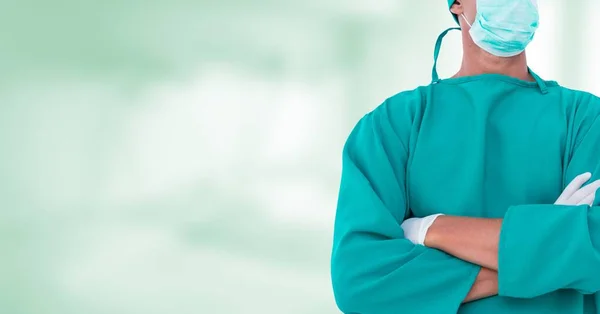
[486, 285]
[471, 239]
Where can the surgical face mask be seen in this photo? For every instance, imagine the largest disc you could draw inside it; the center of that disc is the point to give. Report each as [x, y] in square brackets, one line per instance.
[504, 28]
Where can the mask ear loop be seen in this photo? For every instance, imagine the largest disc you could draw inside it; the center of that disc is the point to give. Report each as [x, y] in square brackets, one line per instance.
[465, 18]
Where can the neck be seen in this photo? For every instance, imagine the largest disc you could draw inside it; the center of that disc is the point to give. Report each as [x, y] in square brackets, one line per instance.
[477, 61]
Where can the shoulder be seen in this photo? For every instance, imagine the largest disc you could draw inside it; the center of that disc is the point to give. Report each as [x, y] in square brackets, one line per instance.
[394, 118]
[401, 109]
[409, 101]
[579, 104]
[582, 110]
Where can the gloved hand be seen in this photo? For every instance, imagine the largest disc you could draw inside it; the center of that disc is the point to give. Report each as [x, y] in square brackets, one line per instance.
[574, 194]
[415, 229]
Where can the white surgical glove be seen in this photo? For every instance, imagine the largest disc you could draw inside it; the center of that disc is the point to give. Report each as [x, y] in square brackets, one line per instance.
[574, 194]
[415, 229]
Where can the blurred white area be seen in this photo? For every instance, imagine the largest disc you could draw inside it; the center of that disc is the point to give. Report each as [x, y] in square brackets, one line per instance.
[542, 55]
[591, 50]
[237, 132]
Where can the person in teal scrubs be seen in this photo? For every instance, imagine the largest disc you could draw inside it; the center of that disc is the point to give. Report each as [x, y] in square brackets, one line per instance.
[476, 193]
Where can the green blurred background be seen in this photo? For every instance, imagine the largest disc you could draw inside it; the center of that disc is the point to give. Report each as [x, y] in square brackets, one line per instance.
[184, 156]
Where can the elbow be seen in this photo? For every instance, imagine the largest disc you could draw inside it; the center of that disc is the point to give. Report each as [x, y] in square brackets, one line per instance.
[361, 287]
[347, 298]
[353, 292]
[344, 302]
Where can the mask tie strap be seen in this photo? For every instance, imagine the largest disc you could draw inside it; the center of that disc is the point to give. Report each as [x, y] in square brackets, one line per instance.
[540, 82]
[436, 53]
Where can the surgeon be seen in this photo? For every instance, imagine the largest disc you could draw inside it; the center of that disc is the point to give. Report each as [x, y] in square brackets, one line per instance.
[476, 193]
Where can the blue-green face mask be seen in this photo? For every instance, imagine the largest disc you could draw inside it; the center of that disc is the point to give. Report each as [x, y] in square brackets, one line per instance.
[504, 28]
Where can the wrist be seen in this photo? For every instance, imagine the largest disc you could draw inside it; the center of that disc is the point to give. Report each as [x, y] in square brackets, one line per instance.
[433, 233]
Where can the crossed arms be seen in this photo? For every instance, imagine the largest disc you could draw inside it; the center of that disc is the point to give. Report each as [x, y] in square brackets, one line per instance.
[476, 239]
[524, 255]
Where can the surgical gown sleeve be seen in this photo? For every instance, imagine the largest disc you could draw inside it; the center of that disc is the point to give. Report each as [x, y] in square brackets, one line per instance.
[544, 248]
[374, 268]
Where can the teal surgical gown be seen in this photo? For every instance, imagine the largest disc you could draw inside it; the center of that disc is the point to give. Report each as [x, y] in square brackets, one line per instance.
[481, 146]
